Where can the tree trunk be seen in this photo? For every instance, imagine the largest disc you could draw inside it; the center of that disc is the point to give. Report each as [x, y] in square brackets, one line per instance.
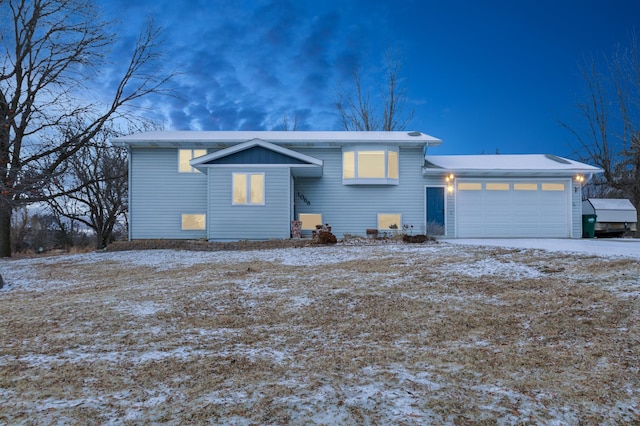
[5, 230]
[101, 239]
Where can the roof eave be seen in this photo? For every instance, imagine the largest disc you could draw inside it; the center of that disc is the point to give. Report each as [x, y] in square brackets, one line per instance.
[292, 139]
[429, 171]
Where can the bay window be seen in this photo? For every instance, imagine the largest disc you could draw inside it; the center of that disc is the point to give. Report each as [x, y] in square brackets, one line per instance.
[362, 166]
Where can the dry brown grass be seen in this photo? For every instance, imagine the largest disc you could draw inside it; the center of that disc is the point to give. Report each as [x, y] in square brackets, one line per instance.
[442, 334]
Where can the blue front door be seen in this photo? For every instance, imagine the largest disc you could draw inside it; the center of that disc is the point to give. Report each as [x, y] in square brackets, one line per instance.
[435, 210]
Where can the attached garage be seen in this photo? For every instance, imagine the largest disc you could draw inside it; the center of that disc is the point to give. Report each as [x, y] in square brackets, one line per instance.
[512, 208]
[510, 196]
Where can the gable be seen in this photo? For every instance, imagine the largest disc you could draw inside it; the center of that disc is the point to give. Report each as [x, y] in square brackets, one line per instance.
[256, 155]
[265, 154]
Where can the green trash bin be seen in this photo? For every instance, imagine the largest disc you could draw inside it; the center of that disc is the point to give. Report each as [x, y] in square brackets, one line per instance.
[589, 225]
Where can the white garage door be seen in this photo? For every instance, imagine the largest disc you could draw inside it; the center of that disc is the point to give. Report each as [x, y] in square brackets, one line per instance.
[512, 208]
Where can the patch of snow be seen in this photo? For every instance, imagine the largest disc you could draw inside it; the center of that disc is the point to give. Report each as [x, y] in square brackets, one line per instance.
[141, 309]
[497, 267]
[86, 354]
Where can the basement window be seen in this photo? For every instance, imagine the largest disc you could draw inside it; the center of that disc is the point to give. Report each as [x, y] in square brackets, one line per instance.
[387, 221]
[310, 220]
[193, 222]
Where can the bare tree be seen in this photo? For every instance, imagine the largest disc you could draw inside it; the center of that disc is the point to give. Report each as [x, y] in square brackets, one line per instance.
[52, 50]
[99, 170]
[358, 112]
[289, 124]
[610, 138]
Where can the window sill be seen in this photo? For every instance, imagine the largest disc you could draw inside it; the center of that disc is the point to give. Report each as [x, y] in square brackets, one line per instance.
[369, 181]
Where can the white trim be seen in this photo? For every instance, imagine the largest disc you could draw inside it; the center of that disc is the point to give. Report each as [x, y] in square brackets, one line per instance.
[251, 144]
[262, 166]
[424, 206]
[220, 139]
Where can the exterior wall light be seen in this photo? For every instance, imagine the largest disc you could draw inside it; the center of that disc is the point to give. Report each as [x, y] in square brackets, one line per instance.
[580, 178]
[449, 179]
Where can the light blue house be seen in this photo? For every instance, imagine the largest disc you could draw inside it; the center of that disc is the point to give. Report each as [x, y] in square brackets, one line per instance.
[228, 186]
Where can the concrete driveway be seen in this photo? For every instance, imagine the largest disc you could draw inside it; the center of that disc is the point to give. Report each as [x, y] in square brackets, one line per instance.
[627, 247]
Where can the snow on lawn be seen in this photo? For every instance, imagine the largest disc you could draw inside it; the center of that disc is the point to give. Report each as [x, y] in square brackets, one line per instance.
[390, 334]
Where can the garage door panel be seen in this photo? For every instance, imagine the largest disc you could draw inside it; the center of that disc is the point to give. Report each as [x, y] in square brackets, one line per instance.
[513, 213]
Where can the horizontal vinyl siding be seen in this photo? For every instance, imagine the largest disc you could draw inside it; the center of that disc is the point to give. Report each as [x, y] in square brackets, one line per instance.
[233, 222]
[354, 208]
[576, 210]
[160, 195]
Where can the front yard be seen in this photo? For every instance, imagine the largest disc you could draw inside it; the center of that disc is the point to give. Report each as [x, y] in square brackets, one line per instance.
[394, 334]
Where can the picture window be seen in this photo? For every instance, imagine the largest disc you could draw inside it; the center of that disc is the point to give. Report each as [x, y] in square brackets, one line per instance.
[248, 188]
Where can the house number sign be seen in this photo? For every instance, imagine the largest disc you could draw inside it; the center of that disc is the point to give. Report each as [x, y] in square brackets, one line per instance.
[303, 198]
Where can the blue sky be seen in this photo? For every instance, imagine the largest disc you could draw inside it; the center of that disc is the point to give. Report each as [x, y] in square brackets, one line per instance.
[481, 76]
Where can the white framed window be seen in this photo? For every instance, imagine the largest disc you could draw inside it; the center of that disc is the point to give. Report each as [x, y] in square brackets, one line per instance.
[497, 186]
[392, 165]
[388, 221]
[553, 187]
[523, 186]
[248, 189]
[370, 166]
[310, 220]
[469, 186]
[186, 155]
[193, 222]
[348, 165]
